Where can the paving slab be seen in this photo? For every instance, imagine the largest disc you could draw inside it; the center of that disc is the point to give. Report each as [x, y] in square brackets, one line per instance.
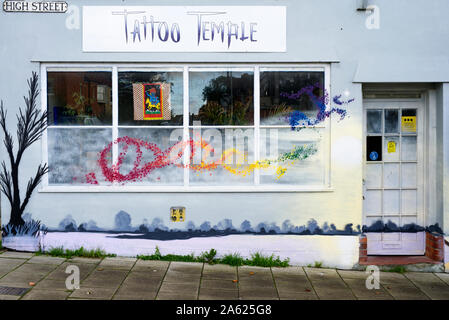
[328, 284]
[76, 260]
[256, 283]
[183, 288]
[152, 266]
[258, 293]
[93, 293]
[444, 277]
[26, 273]
[400, 287]
[293, 286]
[118, 263]
[10, 263]
[254, 272]
[430, 284]
[16, 255]
[177, 296]
[60, 274]
[218, 284]
[219, 271]
[107, 278]
[8, 297]
[51, 285]
[46, 260]
[298, 296]
[359, 289]
[37, 294]
[218, 294]
[186, 267]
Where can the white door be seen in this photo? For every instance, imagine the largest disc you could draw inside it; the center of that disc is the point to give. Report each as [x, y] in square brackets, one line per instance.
[393, 177]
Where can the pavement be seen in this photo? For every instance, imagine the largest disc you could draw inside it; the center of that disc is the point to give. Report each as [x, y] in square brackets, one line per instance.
[26, 276]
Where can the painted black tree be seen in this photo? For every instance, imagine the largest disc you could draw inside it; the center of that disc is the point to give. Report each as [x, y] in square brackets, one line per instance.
[31, 123]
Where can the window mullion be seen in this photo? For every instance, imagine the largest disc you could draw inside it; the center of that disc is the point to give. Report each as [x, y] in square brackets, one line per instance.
[186, 153]
[114, 115]
[44, 108]
[256, 123]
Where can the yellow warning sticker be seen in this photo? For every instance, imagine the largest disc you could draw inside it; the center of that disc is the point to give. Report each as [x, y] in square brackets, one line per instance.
[409, 124]
[391, 147]
[177, 214]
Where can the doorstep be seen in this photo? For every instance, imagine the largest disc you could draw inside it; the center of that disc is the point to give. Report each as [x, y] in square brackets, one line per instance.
[397, 260]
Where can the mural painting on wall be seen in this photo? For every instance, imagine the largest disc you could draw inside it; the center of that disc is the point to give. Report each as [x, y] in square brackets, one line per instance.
[30, 127]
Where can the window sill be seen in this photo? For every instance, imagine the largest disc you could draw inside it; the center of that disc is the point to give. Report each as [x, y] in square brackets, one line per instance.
[181, 189]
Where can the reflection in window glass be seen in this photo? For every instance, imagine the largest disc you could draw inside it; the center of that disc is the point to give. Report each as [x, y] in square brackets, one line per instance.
[374, 121]
[221, 98]
[277, 94]
[391, 121]
[231, 149]
[150, 98]
[73, 154]
[79, 98]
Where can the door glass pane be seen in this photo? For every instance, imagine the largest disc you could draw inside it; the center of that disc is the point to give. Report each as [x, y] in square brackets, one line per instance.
[373, 202]
[408, 148]
[391, 201]
[374, 148]
[391, 175]
[374, 175]
[391, 121]
[374, 121]
[408, 121]
[391, 149]
[409, 201]
[408, 174]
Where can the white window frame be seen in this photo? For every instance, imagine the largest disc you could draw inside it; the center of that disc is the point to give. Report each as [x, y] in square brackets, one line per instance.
[256, 68]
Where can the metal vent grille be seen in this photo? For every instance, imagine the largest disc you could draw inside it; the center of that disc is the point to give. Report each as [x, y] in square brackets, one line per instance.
[12, 291]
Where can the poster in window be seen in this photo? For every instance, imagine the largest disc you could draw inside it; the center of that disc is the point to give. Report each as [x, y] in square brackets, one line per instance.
[151, 101]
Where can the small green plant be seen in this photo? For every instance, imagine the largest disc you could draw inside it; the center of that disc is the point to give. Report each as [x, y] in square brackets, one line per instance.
[80, 252]
[318, 264]
[233, 259]
[209, 256]
[398, 269]
[257, 259]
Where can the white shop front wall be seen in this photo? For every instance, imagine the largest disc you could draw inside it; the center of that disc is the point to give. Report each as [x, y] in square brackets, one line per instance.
[276, 217]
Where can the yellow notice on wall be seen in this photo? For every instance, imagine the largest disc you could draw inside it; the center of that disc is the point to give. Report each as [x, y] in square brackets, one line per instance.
[409, 124]
[391, 147]
[177, 214]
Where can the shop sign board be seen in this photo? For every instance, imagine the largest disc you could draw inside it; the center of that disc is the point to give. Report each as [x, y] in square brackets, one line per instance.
[184, 28]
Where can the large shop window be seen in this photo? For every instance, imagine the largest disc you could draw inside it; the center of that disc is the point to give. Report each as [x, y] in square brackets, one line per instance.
[185, 128]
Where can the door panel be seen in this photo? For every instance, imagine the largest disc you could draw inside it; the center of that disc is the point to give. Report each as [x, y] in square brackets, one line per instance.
[393, 184]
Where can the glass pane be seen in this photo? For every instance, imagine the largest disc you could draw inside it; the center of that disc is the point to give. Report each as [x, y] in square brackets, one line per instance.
[391, 149]
[374, 148]
[151, 156]
[150, 98]
[79, 98]
[73, 155]
[408, 148]
[391, 121]
[221, 98]
[373, 175]
[409, 201]
[408, 175]
[391, 175]
[222, 157]
[374, 121]
[373, 202]
[288, 158]
[391, 201]
[282, 92]
[408, 121]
